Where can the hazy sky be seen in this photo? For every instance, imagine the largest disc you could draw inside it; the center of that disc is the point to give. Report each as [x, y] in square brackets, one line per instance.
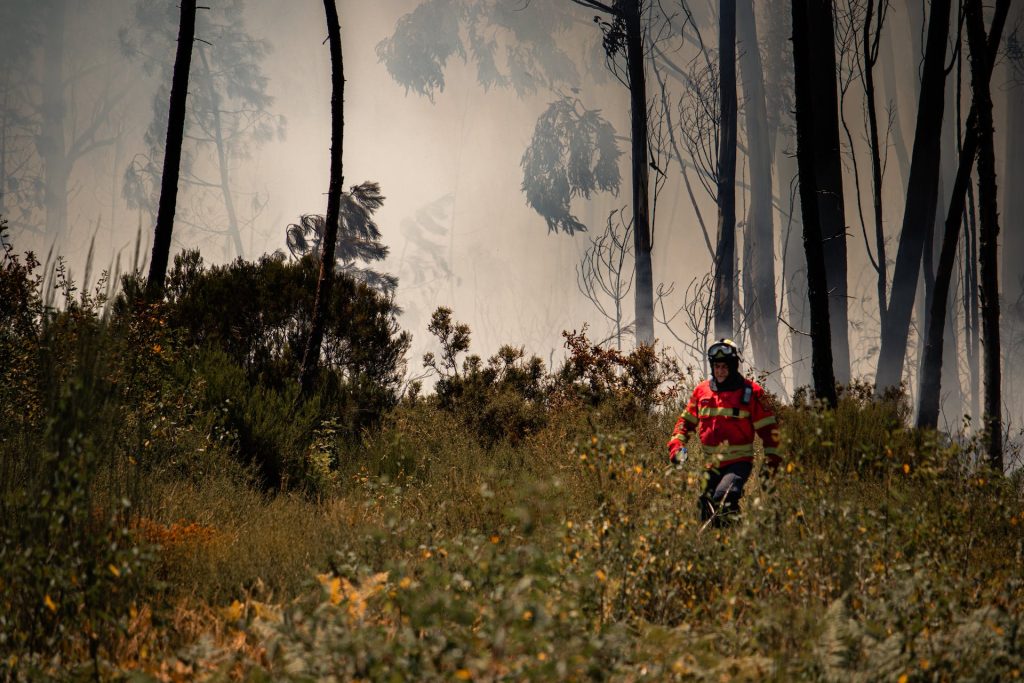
[457, 158]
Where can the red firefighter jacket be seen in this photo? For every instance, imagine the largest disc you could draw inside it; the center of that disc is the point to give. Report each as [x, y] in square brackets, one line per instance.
[726, 422]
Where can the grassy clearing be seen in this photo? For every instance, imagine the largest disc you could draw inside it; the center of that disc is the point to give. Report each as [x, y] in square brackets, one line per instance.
[170, 516]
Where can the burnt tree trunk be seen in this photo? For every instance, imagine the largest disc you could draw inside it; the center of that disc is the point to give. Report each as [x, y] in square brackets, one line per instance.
[172, 151]
[807, 97]
[931, 366]
[988, 250]
[871, 40]
[725, 251]
[642, 236]
[921, 203]
[325, 281]
[828, 171]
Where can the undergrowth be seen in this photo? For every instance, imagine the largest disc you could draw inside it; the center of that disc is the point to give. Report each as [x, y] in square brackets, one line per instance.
[170, 514]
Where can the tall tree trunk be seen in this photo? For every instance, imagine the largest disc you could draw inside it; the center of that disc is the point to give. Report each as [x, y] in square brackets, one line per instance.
[919, 213]
[930, 274]
[807, 96]
[725, 251]
[988, 250]
[931, 367]
[642, 236]
[222, 157]
[870, 41]
[759, 256]
[52, 141]
[172, 151]
[828, 171]
[311, 357]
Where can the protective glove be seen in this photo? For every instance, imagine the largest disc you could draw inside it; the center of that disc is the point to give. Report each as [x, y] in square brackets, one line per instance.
[678, 456]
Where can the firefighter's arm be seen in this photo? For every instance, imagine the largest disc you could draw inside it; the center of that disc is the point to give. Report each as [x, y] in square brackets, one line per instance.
[767, 427]
[685, 425]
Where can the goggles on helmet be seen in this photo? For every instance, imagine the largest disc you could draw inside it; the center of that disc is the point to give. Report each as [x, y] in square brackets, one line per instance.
[722, 351]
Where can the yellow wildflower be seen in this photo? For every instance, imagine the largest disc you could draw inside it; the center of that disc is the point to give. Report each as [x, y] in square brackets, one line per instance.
[233, 612]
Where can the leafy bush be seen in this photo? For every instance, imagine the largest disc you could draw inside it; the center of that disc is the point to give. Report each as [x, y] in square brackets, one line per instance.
[502, 399]
[637, 381]
[258, 313]
[511, 396]
[244, 326]
[860, 436]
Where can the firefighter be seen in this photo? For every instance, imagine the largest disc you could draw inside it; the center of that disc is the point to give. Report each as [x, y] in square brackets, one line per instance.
[726, 411]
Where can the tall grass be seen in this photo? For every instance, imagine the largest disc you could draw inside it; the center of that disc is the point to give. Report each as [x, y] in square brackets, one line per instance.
[547, 540]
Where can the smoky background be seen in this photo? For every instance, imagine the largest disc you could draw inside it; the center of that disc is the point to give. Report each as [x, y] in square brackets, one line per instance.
[89, 77]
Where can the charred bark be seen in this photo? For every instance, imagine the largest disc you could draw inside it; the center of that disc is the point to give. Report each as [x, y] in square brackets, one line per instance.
[828, 172]
[807, 96]
[643, 242]
[988, 250]
[725, 251]
[870, 45]
[172, 151]
[311, 357]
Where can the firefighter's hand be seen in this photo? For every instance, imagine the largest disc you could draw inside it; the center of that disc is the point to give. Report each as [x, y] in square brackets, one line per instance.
[771, 469]
[678, 456]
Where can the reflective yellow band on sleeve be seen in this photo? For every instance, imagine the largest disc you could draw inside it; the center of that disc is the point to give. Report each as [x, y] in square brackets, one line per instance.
[676, 437]
[725, 412]
[772, 451]
[726, 449]
[690, 417]
[770, 420]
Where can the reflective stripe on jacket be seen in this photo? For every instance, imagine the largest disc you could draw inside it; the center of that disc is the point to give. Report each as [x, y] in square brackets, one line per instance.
[726, 425]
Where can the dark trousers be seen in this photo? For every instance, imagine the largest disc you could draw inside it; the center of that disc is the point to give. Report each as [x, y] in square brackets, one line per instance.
[720, 501]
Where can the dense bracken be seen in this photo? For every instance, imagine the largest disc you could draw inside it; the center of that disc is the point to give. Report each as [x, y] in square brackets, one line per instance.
[172, 513]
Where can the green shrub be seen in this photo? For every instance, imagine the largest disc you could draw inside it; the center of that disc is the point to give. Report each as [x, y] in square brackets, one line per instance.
[861, 435]
[263, 426]
[71, 568]
[242, 328]
[511, 397]
[502, 399]
[258, 314]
